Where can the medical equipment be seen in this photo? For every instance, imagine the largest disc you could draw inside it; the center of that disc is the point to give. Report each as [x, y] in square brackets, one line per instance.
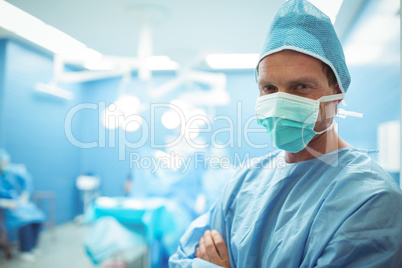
[160, 222]
[89, 188]
[109, 238]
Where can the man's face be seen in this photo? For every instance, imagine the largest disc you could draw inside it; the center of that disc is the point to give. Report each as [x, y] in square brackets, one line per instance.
[298, 74]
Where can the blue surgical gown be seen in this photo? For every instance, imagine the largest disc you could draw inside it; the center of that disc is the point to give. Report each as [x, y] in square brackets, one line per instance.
[13, 182]
[338, 210]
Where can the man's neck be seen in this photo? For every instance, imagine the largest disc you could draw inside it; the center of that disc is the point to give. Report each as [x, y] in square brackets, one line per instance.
[321, 144]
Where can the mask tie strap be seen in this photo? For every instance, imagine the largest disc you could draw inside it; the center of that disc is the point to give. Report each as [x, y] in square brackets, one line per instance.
[328, 128]
[332, 97]
[328, 99]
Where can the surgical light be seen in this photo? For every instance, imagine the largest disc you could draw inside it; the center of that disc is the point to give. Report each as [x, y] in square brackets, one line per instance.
[131, 123]
[161, 63]
[199, 117]
[179, 104]
[170, 120]
[128, 104]
[110, 117]
[192, 133]
[124, 112]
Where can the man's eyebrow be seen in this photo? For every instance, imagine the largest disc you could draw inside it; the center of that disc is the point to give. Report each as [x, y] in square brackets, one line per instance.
[262, 81]
[307, 80]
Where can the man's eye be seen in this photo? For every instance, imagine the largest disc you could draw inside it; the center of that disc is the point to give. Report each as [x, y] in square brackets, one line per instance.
[302, 86]
[269, 88]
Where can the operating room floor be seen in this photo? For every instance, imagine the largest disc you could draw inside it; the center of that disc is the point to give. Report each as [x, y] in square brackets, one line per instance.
[62, 248]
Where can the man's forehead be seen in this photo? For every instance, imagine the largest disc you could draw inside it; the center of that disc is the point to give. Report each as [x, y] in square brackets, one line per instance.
[289, 65]
[288, 61]
[288, 57]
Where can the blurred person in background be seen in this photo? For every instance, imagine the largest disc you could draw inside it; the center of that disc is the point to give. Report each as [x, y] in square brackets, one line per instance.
[20, 214]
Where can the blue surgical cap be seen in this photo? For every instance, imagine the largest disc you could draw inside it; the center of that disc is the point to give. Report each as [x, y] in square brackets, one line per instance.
[300, 26]
[4, 156]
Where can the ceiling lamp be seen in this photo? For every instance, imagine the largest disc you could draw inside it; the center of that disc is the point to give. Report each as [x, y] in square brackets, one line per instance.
[124, 112]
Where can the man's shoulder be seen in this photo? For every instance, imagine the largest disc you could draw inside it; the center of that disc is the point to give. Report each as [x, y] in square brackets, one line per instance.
[359, 162]
[363, 175]
[349, 169]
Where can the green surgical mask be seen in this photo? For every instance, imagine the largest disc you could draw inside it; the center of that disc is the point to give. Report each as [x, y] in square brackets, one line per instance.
[290, 119]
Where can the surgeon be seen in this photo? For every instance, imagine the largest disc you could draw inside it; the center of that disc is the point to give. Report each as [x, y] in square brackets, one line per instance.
[317, 201]
[21, 215]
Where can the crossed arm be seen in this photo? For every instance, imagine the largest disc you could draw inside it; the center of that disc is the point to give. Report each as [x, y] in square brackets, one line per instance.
[212, 248]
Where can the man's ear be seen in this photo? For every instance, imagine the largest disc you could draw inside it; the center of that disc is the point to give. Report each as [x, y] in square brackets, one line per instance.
[337, 91]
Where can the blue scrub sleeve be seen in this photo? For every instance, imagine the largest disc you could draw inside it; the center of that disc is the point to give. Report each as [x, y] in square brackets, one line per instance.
[185, 254]
[370, 237]
[214, 219]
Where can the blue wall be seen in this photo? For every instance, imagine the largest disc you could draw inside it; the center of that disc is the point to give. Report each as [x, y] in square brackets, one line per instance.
[32, 128]
[375, 92]
[375, 87]
[2, 95]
